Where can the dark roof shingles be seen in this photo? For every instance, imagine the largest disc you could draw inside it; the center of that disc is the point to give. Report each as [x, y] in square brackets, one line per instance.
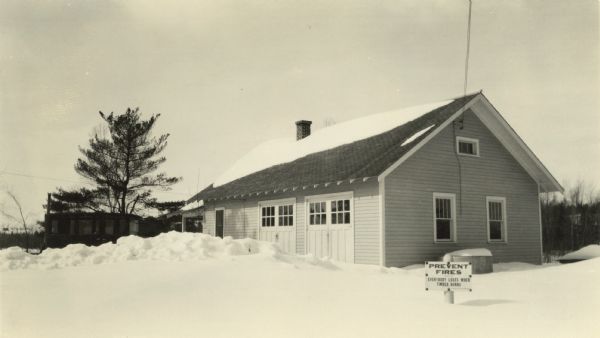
[363, 158]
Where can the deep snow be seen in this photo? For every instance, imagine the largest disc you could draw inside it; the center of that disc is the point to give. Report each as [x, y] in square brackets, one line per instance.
[192, 285]
[588, 252]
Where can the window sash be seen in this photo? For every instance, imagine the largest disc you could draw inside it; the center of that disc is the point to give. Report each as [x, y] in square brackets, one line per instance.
[443, 229]
[467, 146]
[286, 215]
[277, 215]
[317, 213]
[444, 221]
[496, 219]
[340, 211]
[268, 216]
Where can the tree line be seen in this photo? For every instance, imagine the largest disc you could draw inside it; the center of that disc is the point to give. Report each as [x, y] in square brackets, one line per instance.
[570, 221]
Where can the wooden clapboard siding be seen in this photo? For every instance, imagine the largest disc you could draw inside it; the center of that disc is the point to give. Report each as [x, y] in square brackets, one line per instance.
[366, 224]
[209, 219]
[409, 200]
[241, 216]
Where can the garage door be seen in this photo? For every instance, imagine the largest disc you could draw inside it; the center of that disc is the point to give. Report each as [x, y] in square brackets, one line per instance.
[330, 229]
[277, 223]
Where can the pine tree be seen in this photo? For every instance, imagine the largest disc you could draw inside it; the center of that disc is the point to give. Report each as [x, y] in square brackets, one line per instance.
[123, 164]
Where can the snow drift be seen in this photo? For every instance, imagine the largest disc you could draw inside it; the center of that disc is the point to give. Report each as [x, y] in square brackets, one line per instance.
[172, 246]
[588, 252]
[193, 285]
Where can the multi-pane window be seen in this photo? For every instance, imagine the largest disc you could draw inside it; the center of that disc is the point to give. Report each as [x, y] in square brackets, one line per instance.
[268, 216]
[286, 215]
[340, 212]
[467, 146]
[444, 217]
[317, 213]
[277, 215]
[496, 218]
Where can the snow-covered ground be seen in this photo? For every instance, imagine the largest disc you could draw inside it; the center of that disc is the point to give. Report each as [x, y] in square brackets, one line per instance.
[588, 252]
[192, 285]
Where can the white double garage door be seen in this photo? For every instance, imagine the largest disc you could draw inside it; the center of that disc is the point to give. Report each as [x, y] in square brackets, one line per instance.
[329, 225]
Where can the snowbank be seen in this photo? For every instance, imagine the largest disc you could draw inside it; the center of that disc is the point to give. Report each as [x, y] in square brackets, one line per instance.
[286, 150]
[588, 252]
[172, 246]
[259, 295]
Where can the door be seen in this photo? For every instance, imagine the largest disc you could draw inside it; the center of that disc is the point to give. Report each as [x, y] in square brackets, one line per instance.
[330, 228]
[219, 223]
[277, 224]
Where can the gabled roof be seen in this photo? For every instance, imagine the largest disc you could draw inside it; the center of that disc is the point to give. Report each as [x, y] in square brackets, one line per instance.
[374, 155]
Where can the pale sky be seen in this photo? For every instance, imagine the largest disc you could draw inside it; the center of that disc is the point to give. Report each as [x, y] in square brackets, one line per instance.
[227, 75]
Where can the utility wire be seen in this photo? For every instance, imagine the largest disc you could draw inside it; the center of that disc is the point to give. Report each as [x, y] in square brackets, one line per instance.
[41, 177]
[71, 181]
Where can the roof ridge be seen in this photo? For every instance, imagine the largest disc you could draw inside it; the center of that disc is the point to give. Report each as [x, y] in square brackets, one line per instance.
[391, 147]
[369, 156]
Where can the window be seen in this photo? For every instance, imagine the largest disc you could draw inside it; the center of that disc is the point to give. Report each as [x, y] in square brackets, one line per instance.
[268, 216]
[277, 213]
[109, 227]
[134, 227]
[286, 215]
[467, 146]
[444, 217]
[340, 212]
[54, 226]
[317, 213]
[86, 227]
[496, 218]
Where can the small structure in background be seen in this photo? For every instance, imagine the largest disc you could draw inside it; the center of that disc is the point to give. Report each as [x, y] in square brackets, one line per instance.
[189, 218]
[96, 228]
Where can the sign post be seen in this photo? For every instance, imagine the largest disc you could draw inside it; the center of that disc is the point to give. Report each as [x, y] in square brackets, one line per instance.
[448, 276]
[448, 294]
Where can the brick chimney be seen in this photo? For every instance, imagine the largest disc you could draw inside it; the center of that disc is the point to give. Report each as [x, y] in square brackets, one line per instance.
[302, 129]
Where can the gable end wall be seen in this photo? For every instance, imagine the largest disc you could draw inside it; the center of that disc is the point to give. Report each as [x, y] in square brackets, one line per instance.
[409, 192]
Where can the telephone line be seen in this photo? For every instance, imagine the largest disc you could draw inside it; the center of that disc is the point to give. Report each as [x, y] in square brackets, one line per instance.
[71, 181]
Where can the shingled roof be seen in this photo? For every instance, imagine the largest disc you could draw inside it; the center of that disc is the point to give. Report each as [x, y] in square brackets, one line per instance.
[360, 159]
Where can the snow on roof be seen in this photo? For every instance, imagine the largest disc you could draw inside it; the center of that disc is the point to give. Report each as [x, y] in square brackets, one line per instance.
[193, 205]
[286, 150]
[416, 135]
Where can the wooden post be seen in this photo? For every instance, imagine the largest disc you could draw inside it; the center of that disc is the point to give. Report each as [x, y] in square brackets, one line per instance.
[448, 294]
[47, 226]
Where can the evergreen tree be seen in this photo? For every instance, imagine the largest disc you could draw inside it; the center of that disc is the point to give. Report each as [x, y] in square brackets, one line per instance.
[122, 164]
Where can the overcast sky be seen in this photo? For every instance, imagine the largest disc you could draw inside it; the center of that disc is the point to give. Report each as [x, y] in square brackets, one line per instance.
[227, 75]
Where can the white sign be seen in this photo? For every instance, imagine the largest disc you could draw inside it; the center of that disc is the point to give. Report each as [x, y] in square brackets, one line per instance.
[448, 276]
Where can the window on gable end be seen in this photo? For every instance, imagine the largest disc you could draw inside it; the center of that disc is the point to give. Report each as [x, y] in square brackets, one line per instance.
[467, 146]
